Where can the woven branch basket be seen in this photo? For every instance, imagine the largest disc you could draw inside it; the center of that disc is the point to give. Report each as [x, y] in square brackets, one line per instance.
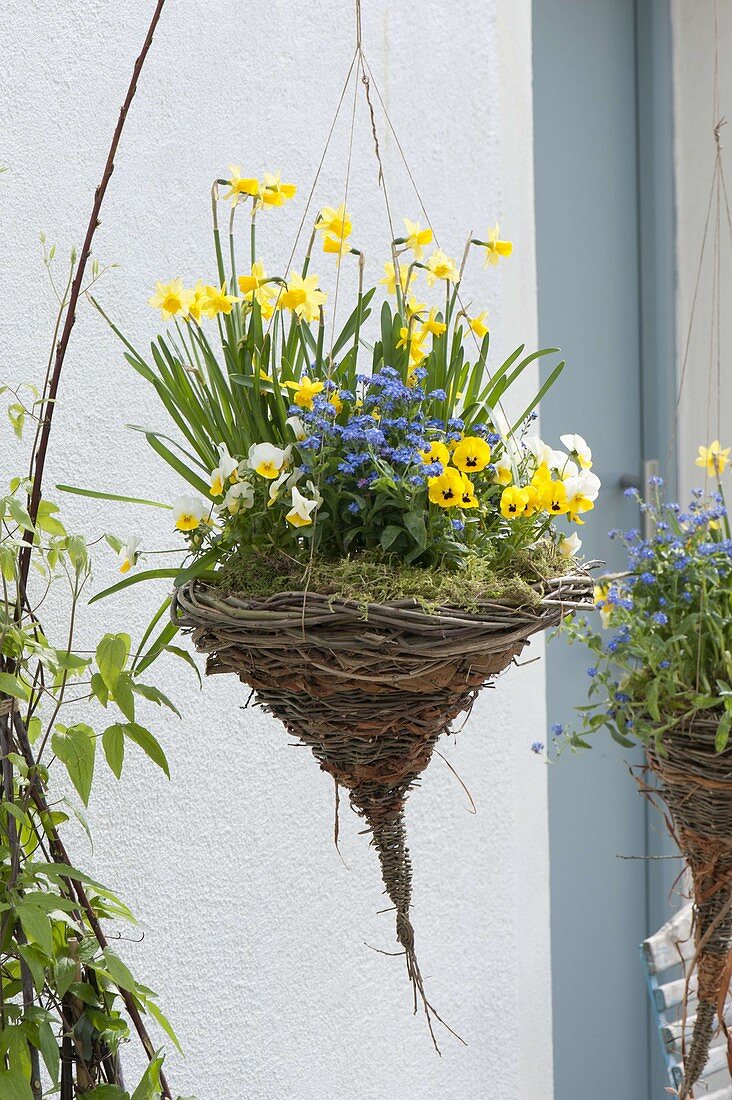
[696, 785]
[369, 690]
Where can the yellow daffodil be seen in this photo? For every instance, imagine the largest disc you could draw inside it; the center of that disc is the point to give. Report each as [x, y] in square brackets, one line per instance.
[495, 248]
[188, 513]
[478, 324]
[335, 222]
[504, 473]
[436, 452]
[472, 454]
[267, 460]
[171, 298]
[389, 277]
[249, 283]
[337, 246]
[128, 554]
[447, 489]
[218, 301]
[414, 307]
[468, 498]
[197, 302]
[300, 515]
[241, 187]
[274, 192]
[305, 390]
[431, 325]
[303, 297]
[713, 458]
[577, 446]
[417, 238]
[335, 401]
[414, 341]
[569, 545]
[514, 501]
[440, 266]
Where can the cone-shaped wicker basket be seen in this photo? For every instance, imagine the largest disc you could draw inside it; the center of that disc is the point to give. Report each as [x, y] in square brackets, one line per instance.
[696, 784]
[370, 690]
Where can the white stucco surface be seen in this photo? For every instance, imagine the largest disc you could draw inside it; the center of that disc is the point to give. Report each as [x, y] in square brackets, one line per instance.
[254, 928]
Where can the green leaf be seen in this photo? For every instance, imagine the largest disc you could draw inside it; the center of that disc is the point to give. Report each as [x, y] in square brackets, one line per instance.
[185, 656]
[111, 496]
[75, 747]
[112, 653]
[36, 925]
[652, 700]
[35, 962]
[65, 975]
[14, 1086]
[123, 696]
[135, 578]
[149, 1087]
[723, 730]
[155, 695]
[414, 522]
[389, 535]
[46, 521]
[108, 1092]
[113, 743]
[11, 685]
[19, 514]
[164, 1023]
[49, 1049]
[99, 688]
[118, 972]
[149, 745]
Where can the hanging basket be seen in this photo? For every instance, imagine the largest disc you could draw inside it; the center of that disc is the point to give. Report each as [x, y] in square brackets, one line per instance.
[369, 689]
[696, 785]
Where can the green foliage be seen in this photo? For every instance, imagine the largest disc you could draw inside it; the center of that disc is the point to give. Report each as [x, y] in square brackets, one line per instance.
[664, 653]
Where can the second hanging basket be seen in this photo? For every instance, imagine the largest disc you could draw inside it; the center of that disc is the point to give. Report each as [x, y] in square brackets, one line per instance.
[369, 689]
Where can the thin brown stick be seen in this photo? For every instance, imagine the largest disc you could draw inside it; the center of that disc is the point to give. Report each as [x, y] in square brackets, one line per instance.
[38, 459]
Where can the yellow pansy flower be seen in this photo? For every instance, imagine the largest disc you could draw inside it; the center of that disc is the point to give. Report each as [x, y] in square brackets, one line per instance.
[241, 187]
[335, 400]
[495, 248]
[274, 192]
[305, 390]
[472, 454]
[713, 458]
[436, 452]
[468, 498]
[218, 301]
[303, 297]
[447, 489]
[171, 298]
[504, 473]
[478, 324]
[534, 503]
[542, 476]
[417, 238]
[335, 221]
[389, 277]
[553, 497]
[600, 594]
[432, 325]
[441, 266]
[514, 501]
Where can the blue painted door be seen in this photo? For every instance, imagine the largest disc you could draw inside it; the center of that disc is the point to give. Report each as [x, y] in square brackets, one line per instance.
[589, 205]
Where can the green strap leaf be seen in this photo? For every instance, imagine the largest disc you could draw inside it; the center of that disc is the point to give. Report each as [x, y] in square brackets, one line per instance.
[76, 491]
[135, 578]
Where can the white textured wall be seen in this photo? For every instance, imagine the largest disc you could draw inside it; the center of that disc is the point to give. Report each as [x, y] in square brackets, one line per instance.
[254, 928]
[705, 410]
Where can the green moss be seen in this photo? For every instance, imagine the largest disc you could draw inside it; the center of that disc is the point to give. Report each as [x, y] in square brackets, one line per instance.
[374, 578]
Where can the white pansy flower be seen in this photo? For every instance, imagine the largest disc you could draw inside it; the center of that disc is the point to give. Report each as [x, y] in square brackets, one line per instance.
[577, 445]
[287, 478]
[128, 554]
[188, 512]
[227, 469]
[569, 546]
[267, 460]
[541, 451]
[298, 428]
[300, 515]
[239, 495]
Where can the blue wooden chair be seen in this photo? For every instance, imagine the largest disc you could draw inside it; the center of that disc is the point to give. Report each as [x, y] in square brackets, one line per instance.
[665, 956]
